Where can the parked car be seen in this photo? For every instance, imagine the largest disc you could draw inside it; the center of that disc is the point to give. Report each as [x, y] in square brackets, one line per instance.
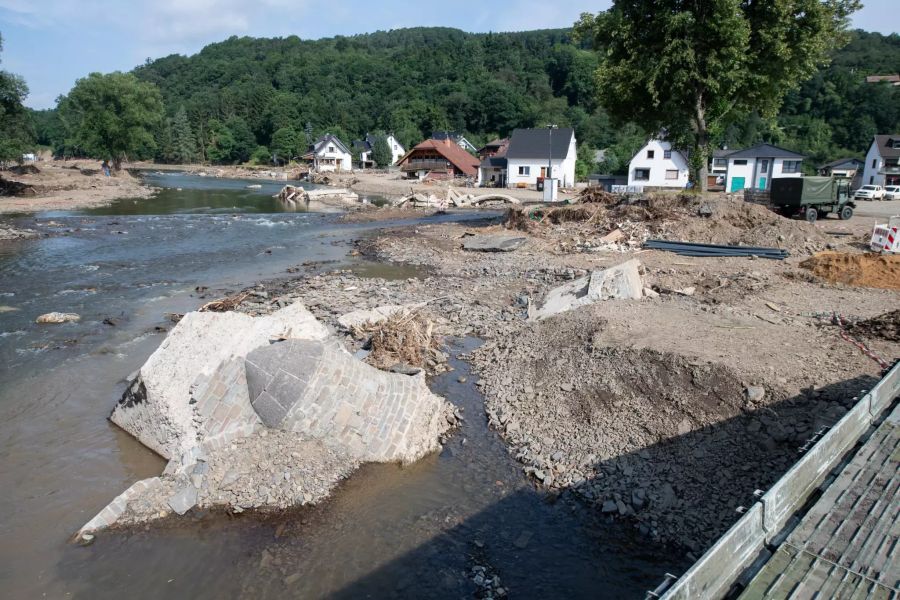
[870, 192]
[892, 192]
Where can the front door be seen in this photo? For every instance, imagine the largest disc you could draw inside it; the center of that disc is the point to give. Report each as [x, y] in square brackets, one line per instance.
[762, 183]
[737, 184]
[543, 172]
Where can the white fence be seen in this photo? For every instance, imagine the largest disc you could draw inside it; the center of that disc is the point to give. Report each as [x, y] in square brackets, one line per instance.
[712, 576]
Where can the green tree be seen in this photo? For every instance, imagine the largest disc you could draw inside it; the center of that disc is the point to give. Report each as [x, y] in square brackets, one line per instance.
[244, 140]
[690, 67]
[285, 144]
[381, 151]
[16, 130]
[261, 156]
[112, 116]
[184, 145]
[220, 147]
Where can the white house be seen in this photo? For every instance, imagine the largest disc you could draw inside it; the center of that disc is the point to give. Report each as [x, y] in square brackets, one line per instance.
[657, 164]
[756, 167]
[329, 154]
[367, 145]
[532, 150]
[883, 161]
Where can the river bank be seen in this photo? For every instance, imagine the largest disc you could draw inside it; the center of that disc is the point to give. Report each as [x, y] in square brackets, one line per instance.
[68, 185]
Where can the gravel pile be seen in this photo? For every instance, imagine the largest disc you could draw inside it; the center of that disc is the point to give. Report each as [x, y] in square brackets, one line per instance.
[672, 444]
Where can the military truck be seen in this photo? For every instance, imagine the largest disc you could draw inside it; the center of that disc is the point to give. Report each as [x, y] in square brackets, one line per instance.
[812, 197]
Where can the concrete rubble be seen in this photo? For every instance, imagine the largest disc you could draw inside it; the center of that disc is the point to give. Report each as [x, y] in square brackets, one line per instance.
[378, 314]
[263, 412]
[620, 282]
[494, 243]
[55, 318]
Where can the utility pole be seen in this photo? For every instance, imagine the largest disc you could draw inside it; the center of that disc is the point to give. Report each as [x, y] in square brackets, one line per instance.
[549, 176]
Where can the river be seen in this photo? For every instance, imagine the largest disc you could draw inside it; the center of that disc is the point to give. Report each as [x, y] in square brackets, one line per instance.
[387, 532]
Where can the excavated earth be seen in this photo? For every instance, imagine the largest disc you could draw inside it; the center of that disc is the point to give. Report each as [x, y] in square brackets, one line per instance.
[668, 411]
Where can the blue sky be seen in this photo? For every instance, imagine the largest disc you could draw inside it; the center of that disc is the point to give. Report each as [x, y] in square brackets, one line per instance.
[54, 42]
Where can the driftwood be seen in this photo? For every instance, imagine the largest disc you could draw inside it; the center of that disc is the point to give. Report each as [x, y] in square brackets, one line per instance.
[225, 304]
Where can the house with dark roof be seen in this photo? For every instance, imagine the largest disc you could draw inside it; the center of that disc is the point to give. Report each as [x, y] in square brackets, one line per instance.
[329, 153]
[438, 159]
[756, 167]
[883, 161]
[367, 144]
[456, 137]
[532, 151]
[843, 168]
[657, 164]
[493, 163]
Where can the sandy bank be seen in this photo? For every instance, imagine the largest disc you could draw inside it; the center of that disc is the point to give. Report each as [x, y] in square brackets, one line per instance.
[67, 185]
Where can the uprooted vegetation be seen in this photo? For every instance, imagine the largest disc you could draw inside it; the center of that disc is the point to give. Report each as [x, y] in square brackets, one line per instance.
[405, 338]
[666, 216]
[886, 326]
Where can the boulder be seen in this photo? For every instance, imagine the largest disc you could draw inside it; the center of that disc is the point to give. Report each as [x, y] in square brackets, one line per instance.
[56, 318]
[494, 243]
[615, 283]
[192, 386]
[313, 389]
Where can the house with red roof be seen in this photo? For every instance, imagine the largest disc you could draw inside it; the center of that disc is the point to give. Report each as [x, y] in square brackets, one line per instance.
[439, 159]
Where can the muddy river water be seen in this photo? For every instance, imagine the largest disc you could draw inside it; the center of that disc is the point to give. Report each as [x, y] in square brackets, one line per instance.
[432, 530]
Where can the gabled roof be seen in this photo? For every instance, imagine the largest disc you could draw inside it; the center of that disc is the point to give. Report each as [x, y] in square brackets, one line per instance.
[535, 143]
[843, 162]
[451, 152]
[721, 152]
[764, 151]
[363, 145]
[494, 162]
[885, 143]
[329, 138]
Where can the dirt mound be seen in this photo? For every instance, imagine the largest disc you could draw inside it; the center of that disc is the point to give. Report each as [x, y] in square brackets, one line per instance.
[886, 326]
[861, 270]
[24, 170]
[15, 188]
[683, 217]
[672, 443]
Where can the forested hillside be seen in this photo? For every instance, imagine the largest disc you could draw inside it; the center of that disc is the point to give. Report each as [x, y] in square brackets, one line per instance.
[249, 97]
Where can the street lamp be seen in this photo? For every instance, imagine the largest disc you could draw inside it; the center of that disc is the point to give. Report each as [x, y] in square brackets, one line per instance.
[549, 175]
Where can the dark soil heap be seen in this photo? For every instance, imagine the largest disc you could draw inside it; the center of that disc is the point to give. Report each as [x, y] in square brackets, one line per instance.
[886, 326]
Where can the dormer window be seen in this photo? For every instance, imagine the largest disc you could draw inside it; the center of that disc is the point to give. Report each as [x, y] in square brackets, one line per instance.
[894, 144]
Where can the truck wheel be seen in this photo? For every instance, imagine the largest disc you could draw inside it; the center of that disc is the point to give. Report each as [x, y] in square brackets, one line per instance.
[846, 213]
[811, 215]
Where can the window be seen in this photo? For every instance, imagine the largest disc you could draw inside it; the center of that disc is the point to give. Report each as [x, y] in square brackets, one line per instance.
[740, 162]
[650, 153]
[642, 174]
[791, 166]
[524, 170]
[720, 162]
[331, 149]
[764, 165]
[874, 163]
[667, 154]
[671, 173]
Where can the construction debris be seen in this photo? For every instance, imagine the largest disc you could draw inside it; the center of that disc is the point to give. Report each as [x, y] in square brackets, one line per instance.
[615, 283]
[713, 250]
[494, 243]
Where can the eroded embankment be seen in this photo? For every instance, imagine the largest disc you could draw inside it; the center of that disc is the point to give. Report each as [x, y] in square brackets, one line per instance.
[673, 443]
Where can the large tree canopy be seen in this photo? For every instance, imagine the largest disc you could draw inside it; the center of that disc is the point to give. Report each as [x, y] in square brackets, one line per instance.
[690, 68]
[112, 116]
[16, 133]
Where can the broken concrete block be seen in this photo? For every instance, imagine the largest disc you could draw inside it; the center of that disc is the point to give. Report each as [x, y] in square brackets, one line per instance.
[184, 499]
[494, 243]
[375, 315]
[307, 387]
[619, 282]
[188, 390]
[56, 318]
